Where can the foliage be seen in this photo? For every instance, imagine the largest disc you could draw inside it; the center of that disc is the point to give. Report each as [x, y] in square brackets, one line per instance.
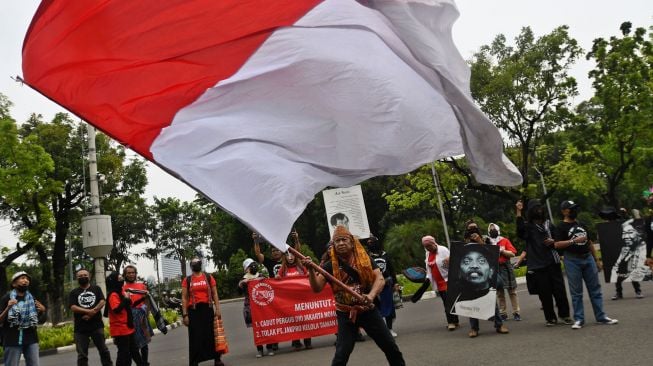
[525, 89]
[178, 231]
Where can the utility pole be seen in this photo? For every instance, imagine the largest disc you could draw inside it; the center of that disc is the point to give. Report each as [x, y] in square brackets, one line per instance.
[436, 182]
[96, 228]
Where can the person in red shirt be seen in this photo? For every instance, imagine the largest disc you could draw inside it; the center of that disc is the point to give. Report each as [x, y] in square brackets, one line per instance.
[121, 323]
[506, 251]
[437, 271]
[142, 329]
[200, 306]
[290, 267]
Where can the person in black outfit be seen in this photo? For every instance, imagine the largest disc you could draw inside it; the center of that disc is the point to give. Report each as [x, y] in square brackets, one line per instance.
[543, 261]
[86, 302]
[386, 298]
[351, 265]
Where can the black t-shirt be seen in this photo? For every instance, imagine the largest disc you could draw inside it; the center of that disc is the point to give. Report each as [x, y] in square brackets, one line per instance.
[352, 281]
[385, 266]
[87, 299]
[272, 266]
[11, 334]
[570, 230]
[539, 255]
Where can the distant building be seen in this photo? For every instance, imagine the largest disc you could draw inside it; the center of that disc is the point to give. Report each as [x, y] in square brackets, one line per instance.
[170, 268]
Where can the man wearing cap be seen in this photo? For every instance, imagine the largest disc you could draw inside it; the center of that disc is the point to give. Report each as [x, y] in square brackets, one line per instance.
[350, 264]
[19, 315]
[581, 264]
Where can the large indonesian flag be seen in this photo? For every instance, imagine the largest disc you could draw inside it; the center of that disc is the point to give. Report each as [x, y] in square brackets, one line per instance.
[260, 104]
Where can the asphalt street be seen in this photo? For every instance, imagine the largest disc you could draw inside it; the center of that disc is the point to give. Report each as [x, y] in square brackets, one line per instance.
[424, 340]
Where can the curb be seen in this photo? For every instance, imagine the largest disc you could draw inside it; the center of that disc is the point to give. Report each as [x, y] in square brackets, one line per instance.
[108, 341]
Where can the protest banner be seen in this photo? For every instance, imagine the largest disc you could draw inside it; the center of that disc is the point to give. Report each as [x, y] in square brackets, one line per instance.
[287, 309]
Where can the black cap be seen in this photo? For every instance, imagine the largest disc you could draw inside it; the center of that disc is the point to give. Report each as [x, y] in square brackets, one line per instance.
[568, 204]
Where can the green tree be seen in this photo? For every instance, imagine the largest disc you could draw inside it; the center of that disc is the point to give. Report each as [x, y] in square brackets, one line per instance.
[25, 188]
[616, 125]
[179, 231]
[63, 140]
[525, 90]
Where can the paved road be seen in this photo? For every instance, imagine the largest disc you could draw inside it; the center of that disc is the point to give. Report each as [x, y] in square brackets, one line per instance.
[424, 340]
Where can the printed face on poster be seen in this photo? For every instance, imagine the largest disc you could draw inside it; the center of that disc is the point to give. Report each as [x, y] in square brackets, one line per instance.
[345, 206]
[623, 250]
[473, 272]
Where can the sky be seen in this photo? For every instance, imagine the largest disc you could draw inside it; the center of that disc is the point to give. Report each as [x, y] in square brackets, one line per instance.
[479, 22]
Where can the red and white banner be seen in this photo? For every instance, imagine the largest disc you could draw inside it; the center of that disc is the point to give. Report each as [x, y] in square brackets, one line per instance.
[287, 309]
[261, 104]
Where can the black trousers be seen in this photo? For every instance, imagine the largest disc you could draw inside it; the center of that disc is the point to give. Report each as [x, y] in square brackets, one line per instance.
[620, 289]
[375, 327]
[82, 341]
[551, 285]
[451, 319]
[127, 350]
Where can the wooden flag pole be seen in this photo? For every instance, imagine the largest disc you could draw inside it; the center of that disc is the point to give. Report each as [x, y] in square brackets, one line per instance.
[328, 275]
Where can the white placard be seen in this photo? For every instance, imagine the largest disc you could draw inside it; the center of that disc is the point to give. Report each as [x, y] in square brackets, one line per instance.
[345, 206]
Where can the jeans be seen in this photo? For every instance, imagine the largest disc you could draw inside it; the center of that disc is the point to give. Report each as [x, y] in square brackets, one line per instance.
[31, 352]
[551, 285]
[375, 327]
[581, 269]
[82, 342]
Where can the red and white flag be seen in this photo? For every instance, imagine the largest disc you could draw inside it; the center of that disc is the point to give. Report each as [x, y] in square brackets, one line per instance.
[260, 104]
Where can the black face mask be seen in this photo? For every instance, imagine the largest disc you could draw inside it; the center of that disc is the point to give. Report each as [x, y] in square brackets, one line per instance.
[472, 230]
[22, 288]
[252, 269]
[494, 234]
[573, 214]
[83, 281]
[196, 267]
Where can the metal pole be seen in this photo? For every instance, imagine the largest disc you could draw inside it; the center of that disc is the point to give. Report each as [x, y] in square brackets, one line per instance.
[436, 182]
[95, 202]
[548, 205]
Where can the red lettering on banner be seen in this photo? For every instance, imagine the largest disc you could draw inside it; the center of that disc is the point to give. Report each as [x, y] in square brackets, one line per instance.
[287, 309]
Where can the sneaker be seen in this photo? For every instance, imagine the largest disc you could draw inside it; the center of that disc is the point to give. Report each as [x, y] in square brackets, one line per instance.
[568, 321]
[639, 295]
[451, 327]
[393, 333]
[516, 316]
[577, 325]
[270, 353]
[551, 323]
[504, 317]
[259, 354]
[617, 297]
[503, 330]
[473, 333]
[608, 321]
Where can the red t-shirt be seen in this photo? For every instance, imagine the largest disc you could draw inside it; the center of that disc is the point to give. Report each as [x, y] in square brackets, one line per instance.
[118, 321]
[435, 273]
[136, 286]
[199, 289]
[507, 245]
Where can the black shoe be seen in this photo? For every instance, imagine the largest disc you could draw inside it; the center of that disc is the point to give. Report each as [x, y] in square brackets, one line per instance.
[359, 337]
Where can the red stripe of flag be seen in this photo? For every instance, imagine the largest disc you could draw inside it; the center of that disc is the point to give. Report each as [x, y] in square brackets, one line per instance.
[129, 66]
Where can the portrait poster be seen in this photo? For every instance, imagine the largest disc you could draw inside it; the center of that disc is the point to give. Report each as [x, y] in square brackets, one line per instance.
[623, 250]
[345, 206]
[471, 290]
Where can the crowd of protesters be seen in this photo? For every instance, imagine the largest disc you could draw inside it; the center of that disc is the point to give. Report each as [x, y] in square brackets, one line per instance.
[367, 300]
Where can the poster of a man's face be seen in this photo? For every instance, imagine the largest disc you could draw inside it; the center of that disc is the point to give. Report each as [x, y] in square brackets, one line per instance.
[623, 249]
[472, 280]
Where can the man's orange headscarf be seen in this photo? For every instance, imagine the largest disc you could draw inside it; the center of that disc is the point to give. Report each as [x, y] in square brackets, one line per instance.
[360, 260]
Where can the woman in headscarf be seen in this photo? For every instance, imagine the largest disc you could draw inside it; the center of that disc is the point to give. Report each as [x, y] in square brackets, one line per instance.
[121, 323]
[200, 306]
